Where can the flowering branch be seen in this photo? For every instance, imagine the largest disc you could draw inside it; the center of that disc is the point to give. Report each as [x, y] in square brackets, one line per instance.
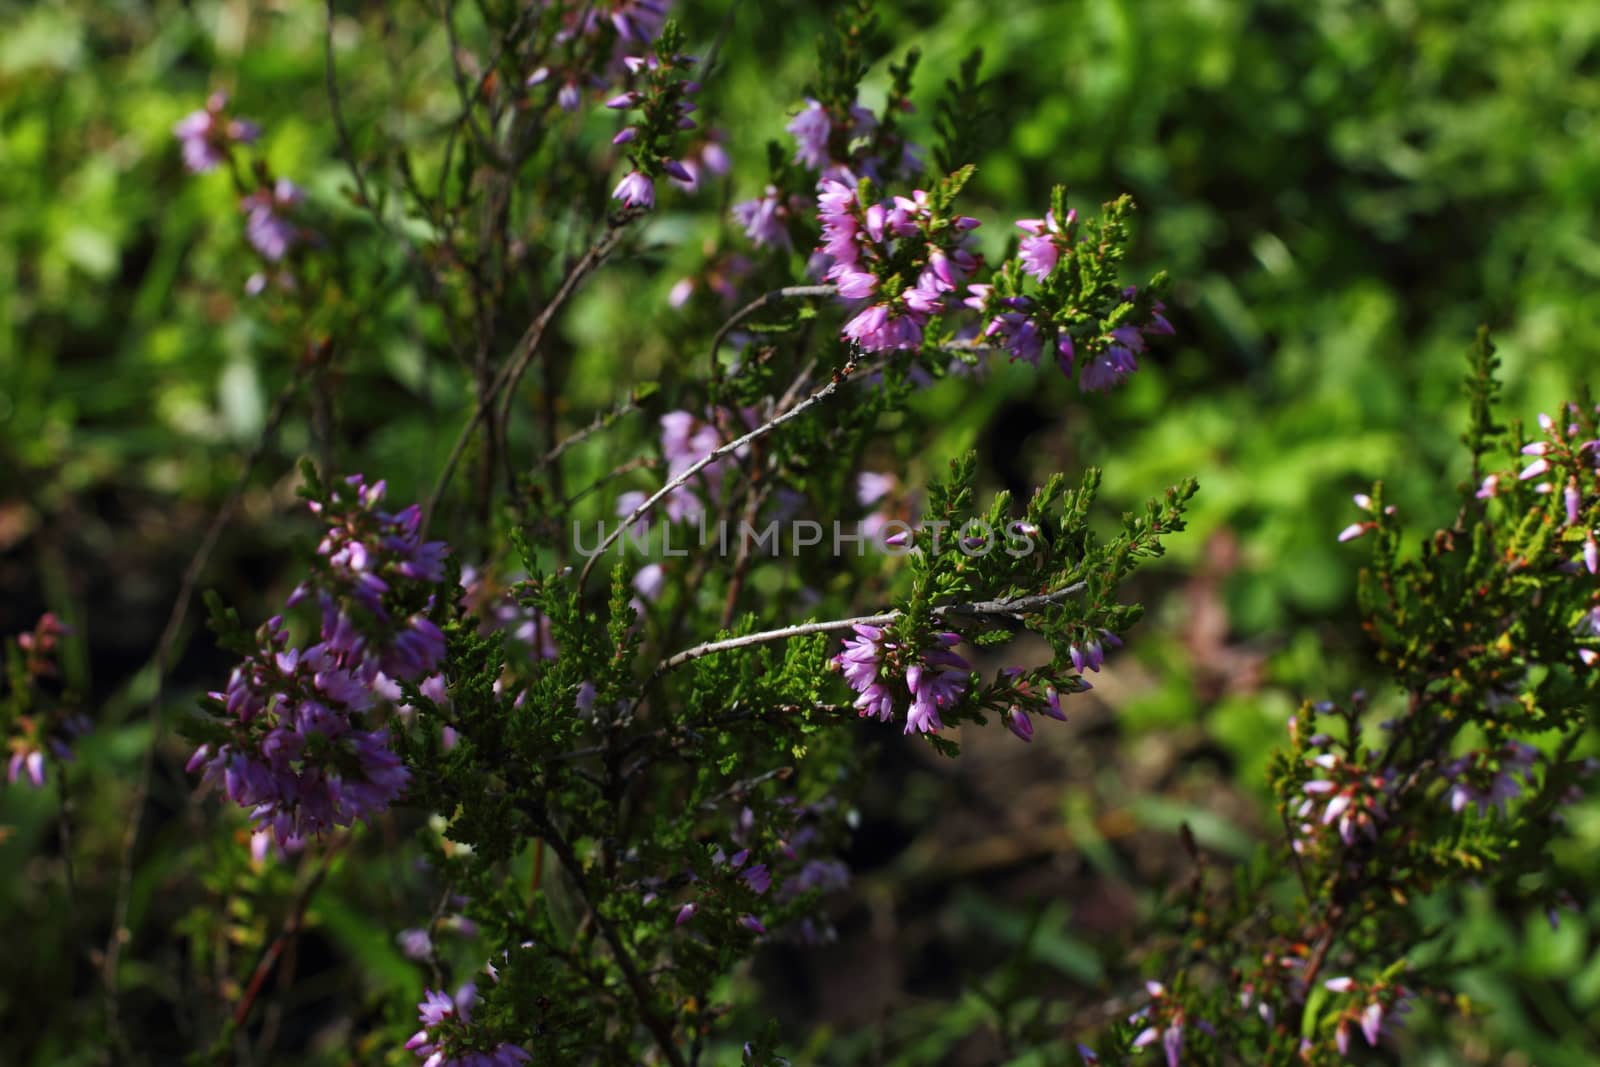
[1007, 607]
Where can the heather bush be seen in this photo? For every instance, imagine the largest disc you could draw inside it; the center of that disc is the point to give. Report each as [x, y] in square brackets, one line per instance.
[642, 521]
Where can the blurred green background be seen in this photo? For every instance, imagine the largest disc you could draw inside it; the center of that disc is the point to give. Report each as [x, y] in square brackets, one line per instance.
[1342, 191]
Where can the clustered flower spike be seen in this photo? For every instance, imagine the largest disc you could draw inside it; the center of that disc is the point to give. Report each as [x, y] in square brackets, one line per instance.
[661, 94]
[881, 670]
[897, 256]
[448, 1039]
[268, 219]
[1056, 296]
[42, 725]
[733, 880]
[207, 136]
[1353, 798]
[303, 743]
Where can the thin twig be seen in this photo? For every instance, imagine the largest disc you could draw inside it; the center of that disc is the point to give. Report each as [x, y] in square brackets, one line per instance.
[767, 299]
[839, 378]
[520, 357]
[346, 145]
[601, 421]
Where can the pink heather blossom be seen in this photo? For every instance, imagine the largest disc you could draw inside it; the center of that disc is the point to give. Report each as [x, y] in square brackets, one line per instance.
[29, 764]
[1041, 249]
[635, 190]
[1534, 469]
[1353, 798]
[861, 663]
[1108, 369]
[937, 682]
[638, 20]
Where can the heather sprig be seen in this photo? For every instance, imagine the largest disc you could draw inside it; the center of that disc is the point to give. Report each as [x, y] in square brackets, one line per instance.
[1454, 774]
[300, 734]
[39, 717]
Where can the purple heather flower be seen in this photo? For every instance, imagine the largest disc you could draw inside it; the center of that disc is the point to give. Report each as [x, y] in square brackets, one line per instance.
[823, 875]
[1017, 333]
[879, 329]
[1489, 779]
[1534, 469]
[445, 1039]
[753, 924]
[1018, 722]
[30, 764]
[686, 913]
[267, 225]
[861, 663]
[649, 582]
[639, 20]
[709, 158]
[1356, 800]
[415, 944]
[938, 681]
[1108, 369]
[872, 486]
[1354, 530]
[1041, 249]
[811, 129]
[635, 190]
[765, 219]
[303, 752]
[206, 135]
[758, 878]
